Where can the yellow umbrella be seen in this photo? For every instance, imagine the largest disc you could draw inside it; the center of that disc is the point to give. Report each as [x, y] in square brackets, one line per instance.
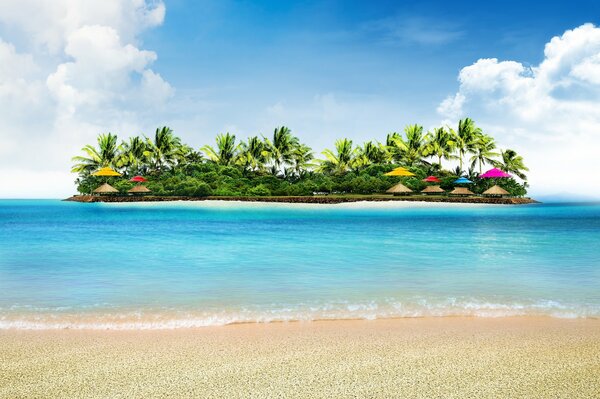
[400, 172]
[106, 171]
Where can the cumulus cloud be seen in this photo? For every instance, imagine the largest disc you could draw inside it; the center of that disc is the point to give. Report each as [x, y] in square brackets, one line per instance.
[547, 112]
[77, 70]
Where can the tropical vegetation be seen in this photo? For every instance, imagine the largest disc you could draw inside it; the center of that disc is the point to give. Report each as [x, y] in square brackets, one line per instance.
[280, 164]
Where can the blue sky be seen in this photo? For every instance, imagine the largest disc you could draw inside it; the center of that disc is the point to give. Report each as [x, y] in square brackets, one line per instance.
[527, 73]
[258, 53]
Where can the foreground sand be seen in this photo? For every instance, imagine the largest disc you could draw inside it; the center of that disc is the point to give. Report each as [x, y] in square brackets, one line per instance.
[412, 358]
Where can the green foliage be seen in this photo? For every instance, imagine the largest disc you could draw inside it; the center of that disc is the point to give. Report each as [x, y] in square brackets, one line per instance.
[260, 191]
[123, 185]
[281, 165]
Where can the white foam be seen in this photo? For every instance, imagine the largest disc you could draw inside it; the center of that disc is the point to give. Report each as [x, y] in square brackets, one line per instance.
[371, 310]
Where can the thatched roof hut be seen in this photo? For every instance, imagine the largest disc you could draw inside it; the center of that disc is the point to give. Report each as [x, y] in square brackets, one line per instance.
[496, 191]
[461, 191]
[399, 189]
[105, 189]
[139, 189]
[432, 190]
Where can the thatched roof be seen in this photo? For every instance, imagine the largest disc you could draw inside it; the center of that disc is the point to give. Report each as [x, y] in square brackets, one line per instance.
[399, 189]
[106, 188]
[139, 189]
[432, 190]
[496, 190]
[461, 191]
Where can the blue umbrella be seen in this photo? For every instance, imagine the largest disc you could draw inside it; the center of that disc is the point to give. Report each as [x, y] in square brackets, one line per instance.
[462, 180]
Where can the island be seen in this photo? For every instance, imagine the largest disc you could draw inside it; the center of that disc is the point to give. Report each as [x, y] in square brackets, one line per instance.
[442, 165]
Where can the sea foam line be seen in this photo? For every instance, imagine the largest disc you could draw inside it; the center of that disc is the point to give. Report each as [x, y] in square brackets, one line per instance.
[361, 311]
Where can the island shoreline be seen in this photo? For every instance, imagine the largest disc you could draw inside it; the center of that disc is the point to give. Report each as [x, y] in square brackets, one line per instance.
[332, 199]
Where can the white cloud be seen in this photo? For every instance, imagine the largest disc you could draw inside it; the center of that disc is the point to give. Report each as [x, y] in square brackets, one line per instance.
[48, 24]
[548, 112]
[78, 71]
[451, 107]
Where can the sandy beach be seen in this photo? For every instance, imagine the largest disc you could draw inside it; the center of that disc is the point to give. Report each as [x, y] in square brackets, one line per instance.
[416, 358]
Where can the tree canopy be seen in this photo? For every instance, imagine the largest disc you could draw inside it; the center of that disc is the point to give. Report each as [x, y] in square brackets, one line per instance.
[282, 165]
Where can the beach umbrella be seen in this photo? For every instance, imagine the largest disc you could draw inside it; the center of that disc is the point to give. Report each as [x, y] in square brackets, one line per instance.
[494, 173]
[462, 180]
[432, 179]
[106, 171]
[400, 172]
[138, 179]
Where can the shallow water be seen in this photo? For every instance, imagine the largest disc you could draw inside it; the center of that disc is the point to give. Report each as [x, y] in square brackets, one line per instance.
[192, 264]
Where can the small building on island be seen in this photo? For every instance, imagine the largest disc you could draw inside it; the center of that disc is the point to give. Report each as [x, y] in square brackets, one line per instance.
[461, 191]
[433, 190]
[399, 189]
[139, 189]
[105, 189]
[496, 191]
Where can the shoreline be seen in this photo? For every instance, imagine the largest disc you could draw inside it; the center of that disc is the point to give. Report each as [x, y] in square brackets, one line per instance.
[329, 199]
[422, 357]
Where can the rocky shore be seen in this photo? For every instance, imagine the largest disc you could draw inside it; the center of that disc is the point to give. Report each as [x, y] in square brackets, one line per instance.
[321, 199]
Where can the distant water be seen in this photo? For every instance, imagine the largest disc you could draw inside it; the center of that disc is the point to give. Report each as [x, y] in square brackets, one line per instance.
[72, 265]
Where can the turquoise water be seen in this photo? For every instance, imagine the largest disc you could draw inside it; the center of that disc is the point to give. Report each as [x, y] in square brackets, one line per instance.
[194, 264]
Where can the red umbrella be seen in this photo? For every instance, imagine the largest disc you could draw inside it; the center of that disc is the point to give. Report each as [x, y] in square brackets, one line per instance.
[432, 179]
[138, 179]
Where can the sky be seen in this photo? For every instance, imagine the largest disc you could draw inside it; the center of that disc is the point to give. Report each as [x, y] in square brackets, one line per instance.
[529, 75]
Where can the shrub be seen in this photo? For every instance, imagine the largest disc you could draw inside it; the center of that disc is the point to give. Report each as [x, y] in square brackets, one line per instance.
[260, 191]
[202, 190]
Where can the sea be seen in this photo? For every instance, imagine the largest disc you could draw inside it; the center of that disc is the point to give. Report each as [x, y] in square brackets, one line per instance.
[68, 265]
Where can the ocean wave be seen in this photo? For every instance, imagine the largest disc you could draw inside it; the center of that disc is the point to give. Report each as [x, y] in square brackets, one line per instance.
[163, 319]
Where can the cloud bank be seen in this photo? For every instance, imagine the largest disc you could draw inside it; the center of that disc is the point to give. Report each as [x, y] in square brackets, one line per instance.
[70, 69]
[547, 112]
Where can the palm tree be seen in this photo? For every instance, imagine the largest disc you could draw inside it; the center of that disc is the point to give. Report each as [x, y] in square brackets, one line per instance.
[131, 155]
[438, 144]
[463, 139]
[415, 144]
[409, 150]
[512, 163]
[185, 155]
[370, 153]
[339, 161]
[300, 159]
[280, 148]
[483, 151]
[252, 154]
[106, 154]
[373, 152]
[226, 151]
[394, 146]
[163, 149]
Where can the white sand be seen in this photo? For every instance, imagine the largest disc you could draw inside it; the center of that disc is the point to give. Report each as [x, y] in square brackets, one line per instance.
[226, 204]
[404, 358]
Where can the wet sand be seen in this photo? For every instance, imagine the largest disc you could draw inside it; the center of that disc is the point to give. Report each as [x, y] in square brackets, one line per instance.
[414, 358]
